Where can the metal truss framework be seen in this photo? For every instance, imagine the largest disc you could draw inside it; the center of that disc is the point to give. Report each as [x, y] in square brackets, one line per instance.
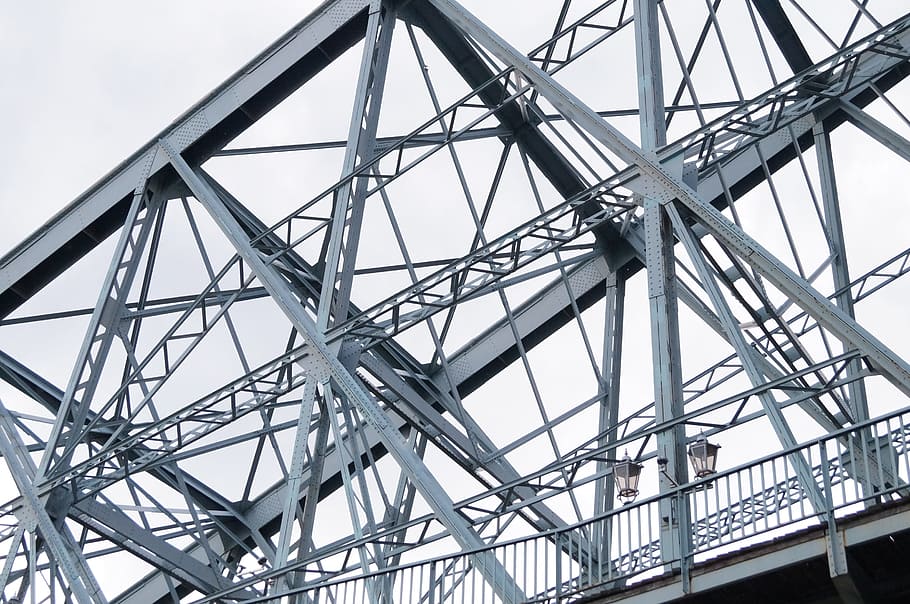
[438, 350]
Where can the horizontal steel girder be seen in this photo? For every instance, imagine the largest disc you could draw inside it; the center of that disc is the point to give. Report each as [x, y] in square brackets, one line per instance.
[474, 366]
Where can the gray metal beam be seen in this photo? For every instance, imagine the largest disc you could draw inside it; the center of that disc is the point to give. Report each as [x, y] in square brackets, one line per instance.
[295, 474]
[666, 355]
[205, 128]
[119, 528]
[343, 234]
[608, 412]
[877, 130]
[837, 245]
[35, 517]
[327, 366]
[104, 324]
[789, 42]
[745, 352]
[347, 214]
[658, 180]
[430, 139]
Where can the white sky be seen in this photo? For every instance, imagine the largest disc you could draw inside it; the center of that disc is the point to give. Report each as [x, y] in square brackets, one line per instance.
[86, 84]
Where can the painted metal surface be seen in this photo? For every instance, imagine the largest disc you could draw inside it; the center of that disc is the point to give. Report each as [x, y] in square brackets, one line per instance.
[430, 411]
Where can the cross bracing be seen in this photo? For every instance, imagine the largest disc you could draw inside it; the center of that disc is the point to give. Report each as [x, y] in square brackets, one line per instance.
[428, 338]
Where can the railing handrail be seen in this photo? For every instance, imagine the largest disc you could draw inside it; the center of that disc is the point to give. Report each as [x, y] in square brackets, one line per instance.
[680, 490]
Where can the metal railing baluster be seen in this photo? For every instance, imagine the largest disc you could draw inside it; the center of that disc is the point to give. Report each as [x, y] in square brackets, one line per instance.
[556, 568]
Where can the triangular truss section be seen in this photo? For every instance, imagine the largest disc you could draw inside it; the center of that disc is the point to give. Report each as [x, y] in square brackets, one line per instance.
[397, 311]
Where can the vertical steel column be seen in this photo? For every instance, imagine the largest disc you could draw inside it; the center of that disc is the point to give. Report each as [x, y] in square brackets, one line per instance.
[104, 323]
[307, 520]
[295, 475]
[604, 488]
[347, 214]
[735, 337]
[16, 542]
[662, 298]
[834, 229]
[350, 497]
[400, 510]
[655, 176]
[429, 487]
[70, 560]
[344, 234]
[346, 219]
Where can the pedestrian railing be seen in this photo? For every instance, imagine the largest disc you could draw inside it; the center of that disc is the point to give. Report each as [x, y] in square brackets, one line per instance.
[854, 468]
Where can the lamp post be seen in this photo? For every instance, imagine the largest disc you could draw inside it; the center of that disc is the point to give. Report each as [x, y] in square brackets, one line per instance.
[703, 456]
[626, 473]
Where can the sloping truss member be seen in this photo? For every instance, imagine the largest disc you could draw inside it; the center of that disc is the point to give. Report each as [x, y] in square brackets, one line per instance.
[364, 405]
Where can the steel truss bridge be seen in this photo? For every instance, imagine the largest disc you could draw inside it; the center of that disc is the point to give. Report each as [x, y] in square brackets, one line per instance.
[375, 320]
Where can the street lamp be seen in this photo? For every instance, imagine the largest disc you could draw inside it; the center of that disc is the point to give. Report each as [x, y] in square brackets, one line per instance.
[626, 473]
[703, 456]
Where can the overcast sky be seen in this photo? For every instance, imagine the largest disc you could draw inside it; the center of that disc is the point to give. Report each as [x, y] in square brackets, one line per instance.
[87, 83]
